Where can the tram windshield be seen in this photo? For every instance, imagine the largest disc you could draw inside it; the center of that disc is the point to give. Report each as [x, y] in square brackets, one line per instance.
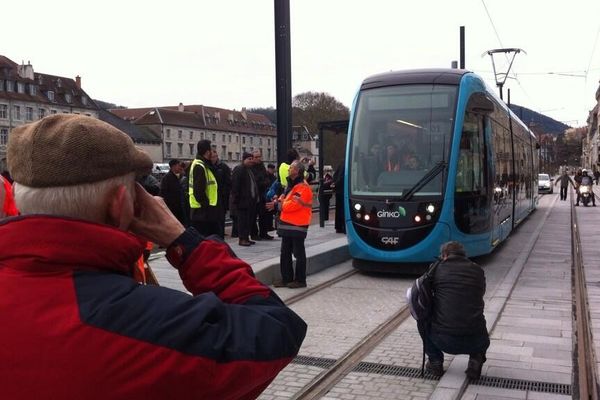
[400, 134]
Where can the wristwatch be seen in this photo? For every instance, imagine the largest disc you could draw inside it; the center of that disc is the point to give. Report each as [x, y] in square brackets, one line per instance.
[182, 247]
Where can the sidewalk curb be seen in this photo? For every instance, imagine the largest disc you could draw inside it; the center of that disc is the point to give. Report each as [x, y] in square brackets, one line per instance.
[318, 258]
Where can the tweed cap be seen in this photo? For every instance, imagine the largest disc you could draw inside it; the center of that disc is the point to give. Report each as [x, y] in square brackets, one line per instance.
[69, 149]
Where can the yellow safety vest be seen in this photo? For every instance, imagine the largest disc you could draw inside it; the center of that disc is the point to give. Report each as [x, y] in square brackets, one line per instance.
[284, 171]
[211, 185]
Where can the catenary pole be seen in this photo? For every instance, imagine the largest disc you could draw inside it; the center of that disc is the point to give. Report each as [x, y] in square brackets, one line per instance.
[283, 75]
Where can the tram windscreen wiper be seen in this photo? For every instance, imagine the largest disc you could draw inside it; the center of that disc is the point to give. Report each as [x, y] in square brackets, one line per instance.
[433, 172]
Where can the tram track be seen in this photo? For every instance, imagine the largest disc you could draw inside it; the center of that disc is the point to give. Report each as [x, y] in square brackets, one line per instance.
[321, 384]
[584, 365]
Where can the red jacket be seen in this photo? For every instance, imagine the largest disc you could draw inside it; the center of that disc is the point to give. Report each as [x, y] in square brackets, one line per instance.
[75, 325]
[9, 208]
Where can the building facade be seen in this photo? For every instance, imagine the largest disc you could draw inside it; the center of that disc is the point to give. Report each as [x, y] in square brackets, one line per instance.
[231, 132]
[26, 96]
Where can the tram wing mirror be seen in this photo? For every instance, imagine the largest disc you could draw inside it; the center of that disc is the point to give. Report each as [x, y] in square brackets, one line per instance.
[480, 104]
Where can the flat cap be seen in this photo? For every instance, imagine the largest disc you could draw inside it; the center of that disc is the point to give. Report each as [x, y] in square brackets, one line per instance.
[69, 149]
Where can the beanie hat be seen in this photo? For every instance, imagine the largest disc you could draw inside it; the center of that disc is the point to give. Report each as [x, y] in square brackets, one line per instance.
[246, 155]
[69, 149]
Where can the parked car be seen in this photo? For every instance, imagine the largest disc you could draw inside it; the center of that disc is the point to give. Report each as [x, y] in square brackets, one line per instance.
[159, 170]
[545, 184]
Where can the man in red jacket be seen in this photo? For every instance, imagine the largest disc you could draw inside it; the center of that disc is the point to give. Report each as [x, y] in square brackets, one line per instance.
[76, 325]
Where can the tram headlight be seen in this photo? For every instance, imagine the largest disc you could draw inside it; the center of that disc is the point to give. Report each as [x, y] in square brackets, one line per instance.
[358, 215]
[367, 217]
[417, 218]
[430, 208]
[358, 207]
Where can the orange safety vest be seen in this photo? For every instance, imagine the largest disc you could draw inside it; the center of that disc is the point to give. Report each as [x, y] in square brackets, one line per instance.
[9, 208]
[293, 212]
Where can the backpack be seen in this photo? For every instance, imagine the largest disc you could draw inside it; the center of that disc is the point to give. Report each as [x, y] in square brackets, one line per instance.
[420, 303]
[420, 295]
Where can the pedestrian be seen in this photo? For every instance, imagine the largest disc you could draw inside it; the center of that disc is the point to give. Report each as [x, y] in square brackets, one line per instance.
[269, 219]
[311, 172]
[291, 156]
[325, 192]
[295, 206]
[185, 187]
[244, 198]
[577, 179]
[457, 324]
[203, 194]
[338, 187]
[564, 184]
[223, 175]
[76, 325]
[597, 175]
[171, 190]
[263, 182]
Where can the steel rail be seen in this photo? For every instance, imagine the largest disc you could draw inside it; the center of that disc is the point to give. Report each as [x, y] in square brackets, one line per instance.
[319, 386]
[317, 288]
[585, 378]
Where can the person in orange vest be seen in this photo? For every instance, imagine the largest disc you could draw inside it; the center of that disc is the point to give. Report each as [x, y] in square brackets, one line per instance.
[9, 208]
[296, 209]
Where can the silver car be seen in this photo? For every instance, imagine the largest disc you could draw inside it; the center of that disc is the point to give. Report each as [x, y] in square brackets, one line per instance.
[545, 184]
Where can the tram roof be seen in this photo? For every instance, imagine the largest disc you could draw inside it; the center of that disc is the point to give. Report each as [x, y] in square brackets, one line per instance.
[443, 76]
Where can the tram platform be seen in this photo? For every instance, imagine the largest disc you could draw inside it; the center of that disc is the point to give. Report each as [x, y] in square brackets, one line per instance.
[530, 315]
[324, 248]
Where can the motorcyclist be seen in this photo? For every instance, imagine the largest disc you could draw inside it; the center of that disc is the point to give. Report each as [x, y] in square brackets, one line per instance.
[585, 180]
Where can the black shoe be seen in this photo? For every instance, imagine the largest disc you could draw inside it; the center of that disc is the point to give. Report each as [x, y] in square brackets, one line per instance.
[244, 243]
[474, 367]
[251, 242]
[267, 237]
[257, 238]
[280, 283]
[576, 204]
[435, 368]
[296, 285]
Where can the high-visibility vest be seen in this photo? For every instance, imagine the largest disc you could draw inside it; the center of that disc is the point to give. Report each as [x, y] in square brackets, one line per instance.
[211, 185]
[284, 171]
[9, 208]
[294, 213]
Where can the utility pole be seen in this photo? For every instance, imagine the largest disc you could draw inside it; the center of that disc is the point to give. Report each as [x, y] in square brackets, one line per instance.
[462, 47]
[283, 78]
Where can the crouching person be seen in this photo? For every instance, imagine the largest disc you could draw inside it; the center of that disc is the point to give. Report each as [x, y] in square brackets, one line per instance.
[457, 324]
[75, 322]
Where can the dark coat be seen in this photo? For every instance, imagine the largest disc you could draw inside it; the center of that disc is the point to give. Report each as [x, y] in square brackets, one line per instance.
[172, 192]
[242, 181]
[261, 176]
[223, 175]
[458, 286]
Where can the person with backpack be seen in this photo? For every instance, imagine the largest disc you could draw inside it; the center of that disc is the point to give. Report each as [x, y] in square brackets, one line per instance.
[455, 324]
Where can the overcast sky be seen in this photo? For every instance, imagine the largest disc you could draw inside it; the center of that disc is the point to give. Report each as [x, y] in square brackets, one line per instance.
[221, 52]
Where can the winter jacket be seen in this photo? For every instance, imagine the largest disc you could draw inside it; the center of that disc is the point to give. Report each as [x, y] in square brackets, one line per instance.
[173, 194]
[295, 217]
[75, 325]
[458, 286]
[244, 190]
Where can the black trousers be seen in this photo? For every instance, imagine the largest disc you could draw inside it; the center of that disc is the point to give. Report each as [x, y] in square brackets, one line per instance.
[289, 246]
[264, 221]
[563, 193]
[207, 228]
[436, 344]
[245, 219]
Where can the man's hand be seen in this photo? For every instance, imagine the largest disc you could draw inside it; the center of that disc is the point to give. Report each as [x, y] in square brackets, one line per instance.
[270, 206]
[153, 220]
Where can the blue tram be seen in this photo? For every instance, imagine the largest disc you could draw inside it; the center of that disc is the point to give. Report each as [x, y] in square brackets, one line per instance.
[433, 155]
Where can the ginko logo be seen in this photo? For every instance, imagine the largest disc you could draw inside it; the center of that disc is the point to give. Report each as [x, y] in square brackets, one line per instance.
[388, 214]
[390, 240]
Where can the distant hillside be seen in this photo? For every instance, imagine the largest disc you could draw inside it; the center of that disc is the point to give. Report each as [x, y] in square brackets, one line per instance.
[541, 122]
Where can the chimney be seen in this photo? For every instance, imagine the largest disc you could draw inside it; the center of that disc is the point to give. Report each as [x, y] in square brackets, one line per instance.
[78, 81]
[181, 107]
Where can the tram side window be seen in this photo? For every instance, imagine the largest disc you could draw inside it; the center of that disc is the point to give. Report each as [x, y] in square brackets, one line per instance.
[471, 199]
[470, 174]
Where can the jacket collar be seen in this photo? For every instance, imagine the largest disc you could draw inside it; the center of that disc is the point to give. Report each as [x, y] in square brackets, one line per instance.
[41, 242]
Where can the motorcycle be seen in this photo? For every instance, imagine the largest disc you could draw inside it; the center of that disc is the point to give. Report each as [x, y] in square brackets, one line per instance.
[585, 192]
